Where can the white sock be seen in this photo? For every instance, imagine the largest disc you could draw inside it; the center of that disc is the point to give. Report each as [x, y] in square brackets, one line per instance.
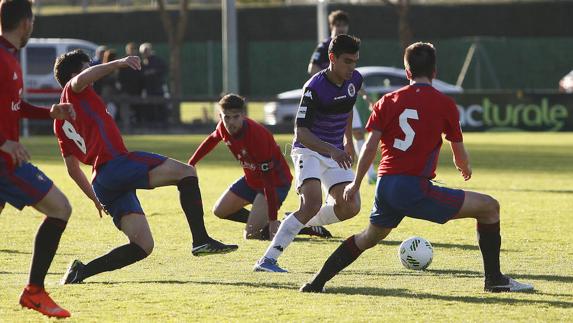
[324, 216]
[285, 235]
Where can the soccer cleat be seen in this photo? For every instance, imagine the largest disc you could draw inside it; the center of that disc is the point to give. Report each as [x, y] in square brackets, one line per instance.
[268, 265]
[317, 231]
[212, 247]
[505, 284]
[310, 288]
[73, 274]
[42, 302]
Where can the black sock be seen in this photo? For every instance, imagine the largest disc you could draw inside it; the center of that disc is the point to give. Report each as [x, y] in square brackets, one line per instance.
[240, 216]
[190, 198]
[45, 246]
[341, 258]
[115, 259]
[489, 241]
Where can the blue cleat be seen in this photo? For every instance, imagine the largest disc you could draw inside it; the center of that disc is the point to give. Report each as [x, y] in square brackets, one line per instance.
[268, 265]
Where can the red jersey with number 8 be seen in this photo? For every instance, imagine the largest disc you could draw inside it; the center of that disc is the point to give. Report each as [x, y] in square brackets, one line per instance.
[412, 121]
[93, 138]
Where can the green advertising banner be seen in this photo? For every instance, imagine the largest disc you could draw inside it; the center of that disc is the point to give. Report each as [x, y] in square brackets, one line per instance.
[529, 111]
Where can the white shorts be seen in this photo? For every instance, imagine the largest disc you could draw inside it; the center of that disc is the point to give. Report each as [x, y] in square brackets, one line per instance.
[310, 164]
[356, 122]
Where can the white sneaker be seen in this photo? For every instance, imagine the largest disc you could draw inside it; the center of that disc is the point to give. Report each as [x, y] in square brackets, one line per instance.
[506, 284]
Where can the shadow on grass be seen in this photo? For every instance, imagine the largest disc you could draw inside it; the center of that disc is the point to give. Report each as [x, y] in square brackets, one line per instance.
[458, 274]
[203, 282]
[523, 190]
[374, 291]
[18, 252]
[337, 240]
[371, 291]
[26, 273]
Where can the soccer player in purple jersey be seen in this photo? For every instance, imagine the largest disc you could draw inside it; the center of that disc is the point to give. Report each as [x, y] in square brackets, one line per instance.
[339, 23]
[322, 149]
[409, 124]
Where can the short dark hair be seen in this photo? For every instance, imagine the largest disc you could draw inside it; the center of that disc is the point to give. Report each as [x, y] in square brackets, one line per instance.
[232, 102]
[12, 12]
[344, 44]
[338, 16]
[68, 64]
[420, 59]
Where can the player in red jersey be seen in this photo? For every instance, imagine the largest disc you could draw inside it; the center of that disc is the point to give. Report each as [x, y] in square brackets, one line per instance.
[267, 177]
[21, 183]
[409, 124]
[94, 139]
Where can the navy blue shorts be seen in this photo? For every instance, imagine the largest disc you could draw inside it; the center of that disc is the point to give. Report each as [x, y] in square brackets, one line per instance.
[27, 185]
[247, 193]
[117, 180]
[398, 196]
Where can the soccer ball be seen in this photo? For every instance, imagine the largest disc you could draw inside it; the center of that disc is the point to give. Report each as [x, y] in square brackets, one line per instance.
[415, 253]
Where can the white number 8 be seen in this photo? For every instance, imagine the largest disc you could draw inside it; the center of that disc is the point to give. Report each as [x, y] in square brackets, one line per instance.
[72, 134]
[403, 145]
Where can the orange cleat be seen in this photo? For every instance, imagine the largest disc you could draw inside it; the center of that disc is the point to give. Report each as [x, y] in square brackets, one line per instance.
[36, 298]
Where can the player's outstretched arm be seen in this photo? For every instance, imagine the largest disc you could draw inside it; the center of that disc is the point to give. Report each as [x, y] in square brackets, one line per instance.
[461, 159]
[204, 148]
[94, 73]
[348, 143]
[76, 173]
[364, 161]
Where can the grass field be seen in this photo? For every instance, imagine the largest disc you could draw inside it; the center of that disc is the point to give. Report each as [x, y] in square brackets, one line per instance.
[531, 174]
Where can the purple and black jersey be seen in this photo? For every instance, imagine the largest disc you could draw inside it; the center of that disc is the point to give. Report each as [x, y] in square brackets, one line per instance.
[325, 107]
[320, 55]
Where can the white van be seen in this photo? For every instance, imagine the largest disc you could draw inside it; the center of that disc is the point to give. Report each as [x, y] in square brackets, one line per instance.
[37, 59]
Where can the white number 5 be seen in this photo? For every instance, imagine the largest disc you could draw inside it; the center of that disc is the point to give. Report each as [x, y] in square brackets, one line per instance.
[71, 133]
[403, 145]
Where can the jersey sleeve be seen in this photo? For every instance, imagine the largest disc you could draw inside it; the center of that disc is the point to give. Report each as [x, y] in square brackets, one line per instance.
[453, 128]
[34, 112]
[375, 120]
[205, 148]
[307, 108]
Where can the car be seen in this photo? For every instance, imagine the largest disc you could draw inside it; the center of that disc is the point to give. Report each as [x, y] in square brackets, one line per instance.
[38, 58]
[378, 80]
[566, 83]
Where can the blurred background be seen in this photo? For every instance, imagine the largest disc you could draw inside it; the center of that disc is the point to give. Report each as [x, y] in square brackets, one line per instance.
[509, 58]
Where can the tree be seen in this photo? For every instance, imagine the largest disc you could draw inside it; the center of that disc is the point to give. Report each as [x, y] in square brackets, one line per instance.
[402, 7]
[175, 36]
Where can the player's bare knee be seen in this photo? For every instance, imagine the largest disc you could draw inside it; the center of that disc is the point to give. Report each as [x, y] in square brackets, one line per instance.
[218, 211]
[492, 207]
[188, 170]
[63, 211]
[147, 245]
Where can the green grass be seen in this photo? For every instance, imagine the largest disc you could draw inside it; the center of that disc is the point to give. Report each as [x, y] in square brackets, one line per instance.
[531, 174]
[207, 111]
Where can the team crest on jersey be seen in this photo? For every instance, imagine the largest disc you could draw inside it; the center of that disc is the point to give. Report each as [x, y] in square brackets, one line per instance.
[351, 90]
[15, 77]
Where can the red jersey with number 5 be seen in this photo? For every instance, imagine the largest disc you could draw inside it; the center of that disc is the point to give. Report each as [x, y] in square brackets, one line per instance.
[412, 121]
[93, 138]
